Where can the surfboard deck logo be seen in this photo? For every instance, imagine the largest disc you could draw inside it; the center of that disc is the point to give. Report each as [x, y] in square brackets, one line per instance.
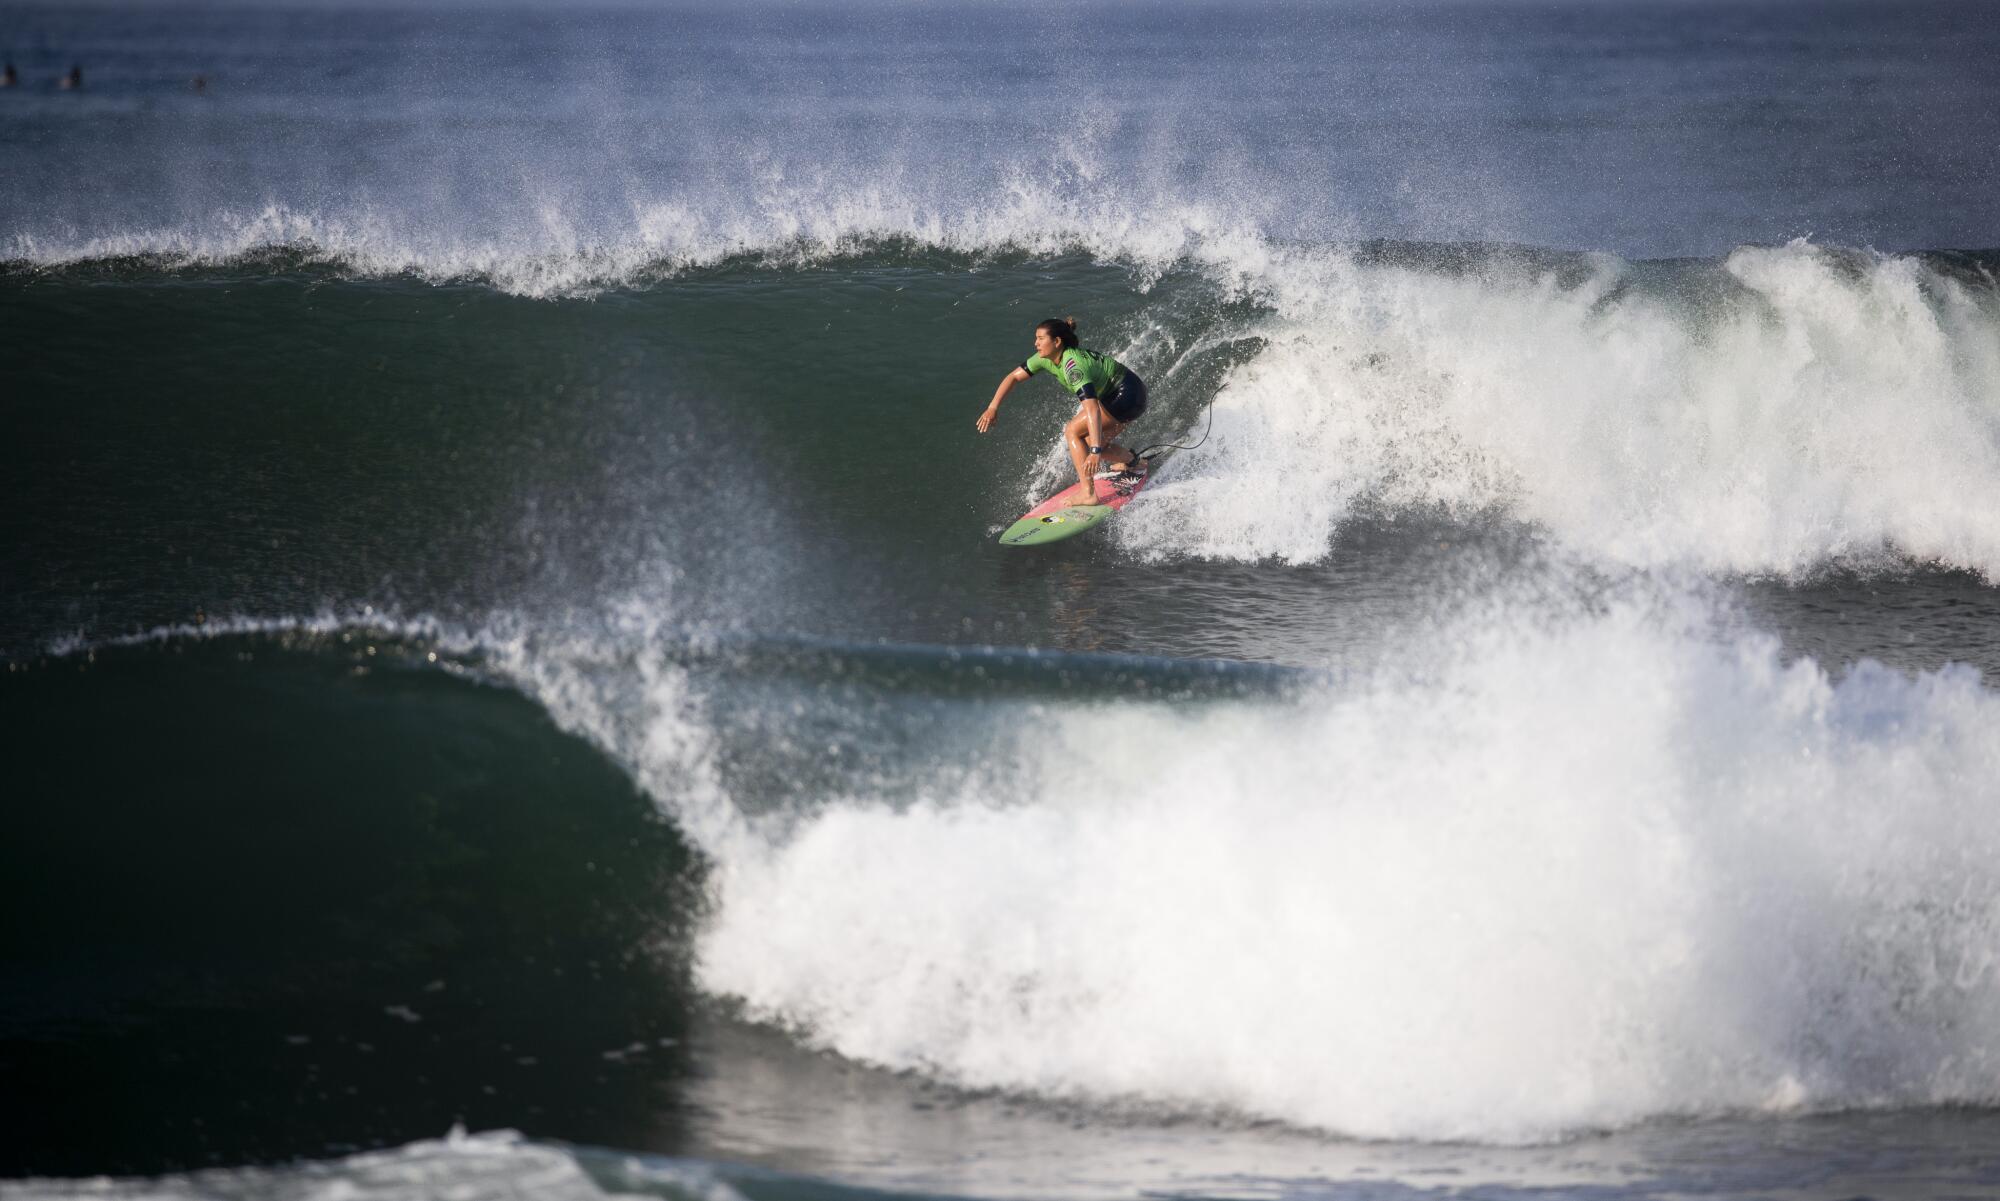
[1055, 519]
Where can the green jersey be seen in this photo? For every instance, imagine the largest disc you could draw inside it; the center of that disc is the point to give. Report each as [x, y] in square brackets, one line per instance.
[1084, 372]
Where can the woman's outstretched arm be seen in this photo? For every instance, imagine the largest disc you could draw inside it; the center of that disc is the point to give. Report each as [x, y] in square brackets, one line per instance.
[999, 394]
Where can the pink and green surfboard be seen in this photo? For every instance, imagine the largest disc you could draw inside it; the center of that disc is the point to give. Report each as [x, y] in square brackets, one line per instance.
[1055, 519]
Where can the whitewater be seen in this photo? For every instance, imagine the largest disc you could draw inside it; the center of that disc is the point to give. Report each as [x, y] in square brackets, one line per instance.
[1578, 871]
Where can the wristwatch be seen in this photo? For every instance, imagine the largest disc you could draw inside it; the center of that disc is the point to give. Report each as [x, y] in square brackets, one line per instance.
[1097, 450]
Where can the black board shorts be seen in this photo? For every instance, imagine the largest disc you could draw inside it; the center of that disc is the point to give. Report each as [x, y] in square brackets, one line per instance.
[1126, 399]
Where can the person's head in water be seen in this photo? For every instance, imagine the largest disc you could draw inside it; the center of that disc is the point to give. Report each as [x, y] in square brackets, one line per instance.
[1055, 335]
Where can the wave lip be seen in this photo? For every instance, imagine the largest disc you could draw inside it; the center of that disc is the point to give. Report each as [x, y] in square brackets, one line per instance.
[545, 251]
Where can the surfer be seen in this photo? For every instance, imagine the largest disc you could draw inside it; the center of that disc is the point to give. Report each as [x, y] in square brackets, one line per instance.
[1110, 396]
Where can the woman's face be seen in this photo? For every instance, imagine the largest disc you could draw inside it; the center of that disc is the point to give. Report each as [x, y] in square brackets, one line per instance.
[1046, 344]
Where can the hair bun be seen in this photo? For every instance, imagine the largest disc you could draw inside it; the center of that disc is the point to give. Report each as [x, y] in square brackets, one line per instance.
[1062, 329]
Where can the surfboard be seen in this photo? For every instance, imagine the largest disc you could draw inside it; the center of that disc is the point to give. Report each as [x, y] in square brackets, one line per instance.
[1056, 519]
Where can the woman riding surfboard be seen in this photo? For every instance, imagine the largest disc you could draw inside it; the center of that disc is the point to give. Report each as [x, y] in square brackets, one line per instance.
[1110, 396]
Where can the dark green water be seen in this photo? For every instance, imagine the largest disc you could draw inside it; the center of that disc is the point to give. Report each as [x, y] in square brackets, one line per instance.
[277, 895]
[747, 441]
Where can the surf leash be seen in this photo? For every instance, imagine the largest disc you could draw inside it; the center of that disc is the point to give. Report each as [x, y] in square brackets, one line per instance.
[1148, 453]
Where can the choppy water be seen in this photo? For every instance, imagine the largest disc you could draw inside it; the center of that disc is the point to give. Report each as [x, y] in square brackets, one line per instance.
[504, 628]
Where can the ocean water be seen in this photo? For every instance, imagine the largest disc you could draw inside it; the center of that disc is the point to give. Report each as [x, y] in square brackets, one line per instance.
[512, 688]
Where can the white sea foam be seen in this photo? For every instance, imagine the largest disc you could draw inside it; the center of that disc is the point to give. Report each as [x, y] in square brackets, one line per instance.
[1805, 406]
[1590, 871]
[470, 1167]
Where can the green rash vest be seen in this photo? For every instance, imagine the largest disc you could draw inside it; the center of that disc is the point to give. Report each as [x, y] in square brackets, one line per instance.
[1084, 372]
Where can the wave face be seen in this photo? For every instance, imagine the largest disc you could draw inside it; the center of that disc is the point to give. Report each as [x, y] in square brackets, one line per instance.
[1780, 411]
[322, 861]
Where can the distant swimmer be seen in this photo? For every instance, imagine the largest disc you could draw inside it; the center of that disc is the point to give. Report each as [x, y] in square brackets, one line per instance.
[200, 84]
[73, 80]
[9, 77]
[1110, 396]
